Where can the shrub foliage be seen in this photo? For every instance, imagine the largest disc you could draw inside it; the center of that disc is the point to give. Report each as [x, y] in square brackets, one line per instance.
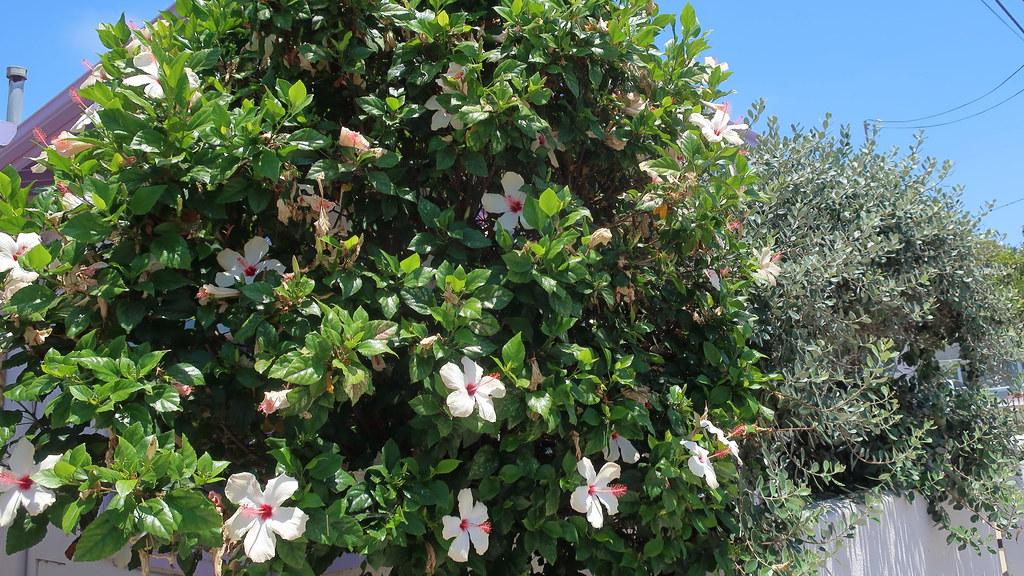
[279, 230]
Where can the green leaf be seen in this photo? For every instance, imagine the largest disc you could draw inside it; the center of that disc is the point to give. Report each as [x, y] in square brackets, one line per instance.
[195, 514]
[102, 538]
[86, 228]
[549, 202]
[171, 250]
[186, 374]
[268, 165]
[513, 353]
[26, 532]
[410, 264]
[143, 199]
[37, 258]
[155, 517]
[297, 95]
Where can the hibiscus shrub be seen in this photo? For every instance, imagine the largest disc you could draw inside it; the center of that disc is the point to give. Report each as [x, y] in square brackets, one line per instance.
[322, 277]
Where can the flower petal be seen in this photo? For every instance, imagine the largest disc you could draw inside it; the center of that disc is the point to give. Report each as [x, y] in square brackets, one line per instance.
[586, 469]
[610, 502]
[7, 244]
[288, 523]
[229, 261]
[243, 489]
[37, 499]
[452, 377]
[9, 507]
[594, 513]
[460, 403]
[511, 182]
[256, 249]
[459, 550]
[472, 371]
[491, 387]
[450, 527]
[478, 515]
[610, 471]
[480, 539]
[279, 489]
[239, 524]
[579, 498]
[508, 222]
[465, 503]
[486, 406]
[494, 203]
[611, 451]
[630, 455]
[260, 544]
[21, 460]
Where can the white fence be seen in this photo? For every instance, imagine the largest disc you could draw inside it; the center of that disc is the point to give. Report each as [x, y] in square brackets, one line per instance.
[902, 540]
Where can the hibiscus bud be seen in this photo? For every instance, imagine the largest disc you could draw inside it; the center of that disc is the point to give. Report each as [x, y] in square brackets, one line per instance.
[600, 237]
[67, 145]
[184, 390]
[377, 362]
[352, 139]
[273, 401]
[428, 342]
[777, 257]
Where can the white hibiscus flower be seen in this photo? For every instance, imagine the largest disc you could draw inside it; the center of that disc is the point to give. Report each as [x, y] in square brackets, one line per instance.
[17, 487]
[620, 447]
[767, 270]
[589, 498]
[471, 525]
[700, 463]
[510, 204]
[149, 80]
[441, 118]
[245, 267]
[260, 518]
[471, 389]
[718, 128]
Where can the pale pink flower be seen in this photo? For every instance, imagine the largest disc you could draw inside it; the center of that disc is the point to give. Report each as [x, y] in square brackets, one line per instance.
[17, 487]
[718, 128]
[471, 525]
[550, 144]
[260, 518]
[149, 79]
[510, 204]
[245, 267]
[274, 401]
[589, 498]
[454, 80]
[618, 446]
[471, 390]
[441, 118]
[12, 249]
[767, 270]
[68, 146]
[352, 139]
[700, 463]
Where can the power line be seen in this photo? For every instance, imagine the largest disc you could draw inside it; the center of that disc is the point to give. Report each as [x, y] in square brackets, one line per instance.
[1010, 14]
[976, 114]
[1001, 206]
[964, 105]
[1001, 19]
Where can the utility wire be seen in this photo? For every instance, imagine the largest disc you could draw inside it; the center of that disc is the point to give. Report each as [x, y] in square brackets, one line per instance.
[969, 102]
[1001, 19]
[1010, 14]
[1001, 206]
[964, 105]
[976, 114]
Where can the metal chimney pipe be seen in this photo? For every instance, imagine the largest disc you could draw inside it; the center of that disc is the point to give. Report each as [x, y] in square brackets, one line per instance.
[16, 76]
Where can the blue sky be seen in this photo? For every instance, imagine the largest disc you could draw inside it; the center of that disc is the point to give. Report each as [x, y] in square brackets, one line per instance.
[886, 59]
[866, 59]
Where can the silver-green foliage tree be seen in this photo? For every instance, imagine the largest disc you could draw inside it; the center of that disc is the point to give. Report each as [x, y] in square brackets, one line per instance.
[882, 269]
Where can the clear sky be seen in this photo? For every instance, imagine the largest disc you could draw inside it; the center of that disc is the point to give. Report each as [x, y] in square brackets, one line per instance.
[858, 60]
[888, 59]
